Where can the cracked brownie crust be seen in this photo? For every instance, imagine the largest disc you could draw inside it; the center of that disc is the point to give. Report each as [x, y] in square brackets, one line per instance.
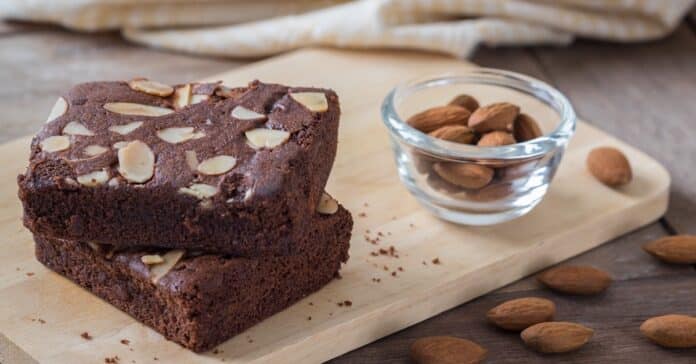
[196, 166]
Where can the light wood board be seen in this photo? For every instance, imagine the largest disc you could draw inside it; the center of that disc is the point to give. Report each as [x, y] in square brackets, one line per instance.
[578, 214]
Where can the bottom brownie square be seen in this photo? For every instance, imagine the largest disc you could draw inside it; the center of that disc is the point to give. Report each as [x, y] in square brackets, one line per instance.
[203, 299]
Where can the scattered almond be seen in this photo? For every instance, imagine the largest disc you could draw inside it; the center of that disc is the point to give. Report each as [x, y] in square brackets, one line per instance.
[55, 143]
[150, 87]
[465, 175]
[217, 165]
[678, 249]
[671, 331]
[446, 350]
[129, 108]
[199, 190]
[526, 128]
[93, 179]
[195, 98]
[136, 162]
[125, 129]
[170, 259]
[242, 113]
[314, 101]
[179, 135]
[266, 138]
[182, 96]
[518, 314]
[454, 133]
[58, 110]
[496, 139]
[580, 280]
[437, 117]
[610, 166]
[498, 116]
[95, 150]
[465, 101]
[556, 337]
[327, 204]
[152, 259]
[76, 128]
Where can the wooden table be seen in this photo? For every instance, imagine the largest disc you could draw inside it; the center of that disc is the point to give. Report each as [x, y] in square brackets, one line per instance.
[644, 94]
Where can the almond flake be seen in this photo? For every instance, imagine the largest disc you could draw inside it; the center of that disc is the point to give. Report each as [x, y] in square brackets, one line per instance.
[327, 205]
[314, 101]
[113, 182]
[199, 190]
[152, 259]
[77, 128]
[136, 162]
[178, 135]
[121, 144]
[217, 165]
[172, 257]
[55, 143]
[198, 98]
[242, 113]
[151, 87]
[94, 178]
[58, 110]
[266, 138]
[191, 159]
[95, 150]
[129, 108]
[182, 96]
[126, 128]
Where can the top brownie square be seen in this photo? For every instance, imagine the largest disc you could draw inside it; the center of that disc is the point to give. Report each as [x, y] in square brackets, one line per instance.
[197, 166]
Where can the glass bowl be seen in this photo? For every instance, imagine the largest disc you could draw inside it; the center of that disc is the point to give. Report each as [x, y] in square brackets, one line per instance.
[521, 172]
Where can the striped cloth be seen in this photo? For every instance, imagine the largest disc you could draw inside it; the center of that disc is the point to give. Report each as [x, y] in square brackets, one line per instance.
[254, 28]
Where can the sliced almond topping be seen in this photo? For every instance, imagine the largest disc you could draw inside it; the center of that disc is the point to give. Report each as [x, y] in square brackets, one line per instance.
[151, 87]
[182, 96]
[152, 259]
[121, 144]
[113, 182]
[129, 108]
[199, 190]
[327, 205]
[77, 128]
[58, 110]
[242, 113]
[191, 159]
[55, 143]
[94, 178]
[178, 135]
[217, 165]
[136, 162]
[172, 257]
[314, 101]
[198, 98]
[266, 138]
[126, 128]
[95, 150]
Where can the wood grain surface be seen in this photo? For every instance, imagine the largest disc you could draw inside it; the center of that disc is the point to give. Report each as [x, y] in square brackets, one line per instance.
[579, 70]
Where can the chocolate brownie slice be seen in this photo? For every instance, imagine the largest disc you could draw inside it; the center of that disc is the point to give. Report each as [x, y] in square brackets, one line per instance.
[196, 166]
[200, 301]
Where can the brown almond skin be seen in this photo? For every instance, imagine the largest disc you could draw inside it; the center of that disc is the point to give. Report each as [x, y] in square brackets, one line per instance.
[526, 128]
[671, 331]
[439, 116]
[578, 280]
[465, 175]
[556, 337]
[466, 101]
[496, 139]
[498, 116]
[610, 166]
[454, 133]
[446, 350]
[519, 314]
[678, 249]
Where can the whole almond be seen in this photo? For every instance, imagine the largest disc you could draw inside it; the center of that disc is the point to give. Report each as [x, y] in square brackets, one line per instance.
[454, 133]
[437, 117]
[580, 280]
[679, 249]
[556, 337]
[465, 175]
[498, 116]
[496, 139]
[610, 166]
[446, 350]
[518, 314]
[526, 128]
[466, 101]
[671, 331]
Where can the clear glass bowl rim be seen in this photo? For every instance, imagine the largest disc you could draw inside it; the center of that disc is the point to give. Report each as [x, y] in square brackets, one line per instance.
[487, 76]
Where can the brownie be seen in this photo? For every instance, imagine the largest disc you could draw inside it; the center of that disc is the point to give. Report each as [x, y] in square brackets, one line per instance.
[198, 166]
[204, 299]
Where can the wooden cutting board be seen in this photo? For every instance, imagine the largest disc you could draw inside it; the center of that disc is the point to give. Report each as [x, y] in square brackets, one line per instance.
[42, 315]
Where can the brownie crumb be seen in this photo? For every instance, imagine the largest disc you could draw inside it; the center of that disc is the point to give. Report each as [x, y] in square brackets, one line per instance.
[376, 280]
[85, 335]
[40, 320]
[366, 204]
[362, 214]
[125, 341]
[311, 304]
[112, 360]
[340, 304]
[400, 269]
[411, 225]
[386, 268]
[436, 261]
[29, 274]
[393, 274]
[424, 263]
[216, 351]
[309, 318]
[374, 254]
[348, 303]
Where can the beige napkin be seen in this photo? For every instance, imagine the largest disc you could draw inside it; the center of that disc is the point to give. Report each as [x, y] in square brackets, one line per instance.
[273, 26]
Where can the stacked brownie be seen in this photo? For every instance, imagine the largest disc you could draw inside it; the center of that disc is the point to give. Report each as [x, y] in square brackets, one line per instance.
[198, 209]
